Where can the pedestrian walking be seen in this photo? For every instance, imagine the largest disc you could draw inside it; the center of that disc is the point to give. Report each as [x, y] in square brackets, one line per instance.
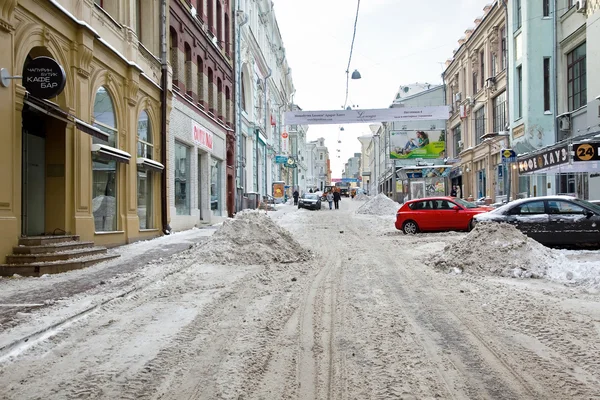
[336, 199]
[330, 200]
[296, 195]
[453, 191]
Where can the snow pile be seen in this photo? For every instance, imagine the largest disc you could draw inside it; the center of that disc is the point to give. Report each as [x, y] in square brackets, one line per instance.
[498, 249]
[379, 205]
[250, 238]
[362, 196]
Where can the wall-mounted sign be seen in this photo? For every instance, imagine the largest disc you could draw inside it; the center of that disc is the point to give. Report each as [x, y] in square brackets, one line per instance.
[367, 116]
[44, 78]
[291, 163]
[589, 151]
[281, 159]
[202, 136]
[508, 156]
[547, 159]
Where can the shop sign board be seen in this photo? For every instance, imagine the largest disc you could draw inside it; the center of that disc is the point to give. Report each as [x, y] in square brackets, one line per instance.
[281, 159]
[508, 156]
[44, 78]
[589, 151]
[547, 159]
[417, 144]
[202, 136]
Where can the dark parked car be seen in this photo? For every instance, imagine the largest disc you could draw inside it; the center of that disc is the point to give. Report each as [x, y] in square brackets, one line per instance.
[551, 220]
[437, 214]
[310, 200]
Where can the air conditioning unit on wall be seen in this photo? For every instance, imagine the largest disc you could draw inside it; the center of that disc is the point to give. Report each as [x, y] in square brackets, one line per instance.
[581, 6]
[564, 123]
[457, 97]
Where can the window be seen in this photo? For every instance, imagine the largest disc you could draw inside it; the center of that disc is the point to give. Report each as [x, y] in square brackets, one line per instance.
[503, 47]
[220, 24]
[215, 187]
[174, 55]
[479, 124]
[104, 117]
[211, 17]
[546, 8]
[474, 82]
[518, 15]
[138, 19]
[99, 2]
[228, 118]
[546, 84]
[576, 78]
[144, 178]
[529, 208]
[493, 64]
[200, 79]
[564, 207]
[243, 94]
[219, 99]
[104, 172]
[188, 70]
[519, 92]
[457, 135]
[499, 104]
[482, 69]
[211, 92]
[321, 156]
[227, 37]
[182, 179]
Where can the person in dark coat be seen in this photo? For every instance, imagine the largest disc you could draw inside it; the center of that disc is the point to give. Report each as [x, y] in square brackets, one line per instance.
[296, 195]
[453, 191]
[336, 199]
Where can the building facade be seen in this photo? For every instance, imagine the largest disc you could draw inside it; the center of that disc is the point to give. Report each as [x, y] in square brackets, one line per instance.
[265, 93]
[322, 164]
[573, 105]
[201, 136]
[476, 92]
[86, 162]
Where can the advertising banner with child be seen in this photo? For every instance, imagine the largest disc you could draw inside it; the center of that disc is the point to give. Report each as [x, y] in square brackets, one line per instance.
[417, 144]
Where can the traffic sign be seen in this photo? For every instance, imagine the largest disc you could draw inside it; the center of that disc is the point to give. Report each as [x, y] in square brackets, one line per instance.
[284, 135]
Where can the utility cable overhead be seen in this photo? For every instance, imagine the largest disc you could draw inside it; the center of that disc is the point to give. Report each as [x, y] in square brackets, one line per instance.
[350, 57]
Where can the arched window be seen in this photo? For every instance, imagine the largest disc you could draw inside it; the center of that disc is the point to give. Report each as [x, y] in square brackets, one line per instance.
[220, 99]
[145, 176]
[188, 70]
[200, 79]
[173, 55]
[104, 116]
[211, 91]
[104, 170]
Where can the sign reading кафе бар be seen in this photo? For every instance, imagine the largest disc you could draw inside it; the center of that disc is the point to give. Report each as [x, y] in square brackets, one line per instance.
[44, 78]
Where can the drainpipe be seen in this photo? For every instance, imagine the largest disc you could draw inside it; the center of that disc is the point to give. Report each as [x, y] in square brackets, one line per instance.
[238, 102]
[555, 66]
[267, 115]
[166, 228]
[508, 173]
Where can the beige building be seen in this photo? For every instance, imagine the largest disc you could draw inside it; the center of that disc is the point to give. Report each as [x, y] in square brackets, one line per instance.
[86, 162]
[476, 92]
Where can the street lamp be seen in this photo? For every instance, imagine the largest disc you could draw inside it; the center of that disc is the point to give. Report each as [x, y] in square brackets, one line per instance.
[356, 74]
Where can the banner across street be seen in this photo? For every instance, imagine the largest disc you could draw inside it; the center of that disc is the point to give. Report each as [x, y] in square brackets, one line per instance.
[366, 116]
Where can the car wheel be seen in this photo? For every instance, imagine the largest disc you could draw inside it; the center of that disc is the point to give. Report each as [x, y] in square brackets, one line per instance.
[299, 207]
[471, 225]
[410, 228]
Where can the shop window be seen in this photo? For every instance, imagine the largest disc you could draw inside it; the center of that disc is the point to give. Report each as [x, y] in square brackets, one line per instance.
[215, 187]
[182, 179]
[104, 172]
[144, 177]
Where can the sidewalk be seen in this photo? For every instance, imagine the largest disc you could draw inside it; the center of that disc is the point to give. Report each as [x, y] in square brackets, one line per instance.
[19, 295]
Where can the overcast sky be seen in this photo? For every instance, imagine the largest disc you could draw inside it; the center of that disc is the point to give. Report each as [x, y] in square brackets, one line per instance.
[398, 42]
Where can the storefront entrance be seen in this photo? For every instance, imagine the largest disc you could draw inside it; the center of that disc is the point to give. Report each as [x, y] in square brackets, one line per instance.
[43, 171]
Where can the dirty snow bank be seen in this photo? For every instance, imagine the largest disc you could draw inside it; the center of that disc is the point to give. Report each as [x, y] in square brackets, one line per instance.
[250, 238]
[362, 196]
[498, 249]
[379, 205]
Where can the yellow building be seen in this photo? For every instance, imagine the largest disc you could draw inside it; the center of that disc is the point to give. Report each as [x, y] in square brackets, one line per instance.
[86, 162]
[476, 91]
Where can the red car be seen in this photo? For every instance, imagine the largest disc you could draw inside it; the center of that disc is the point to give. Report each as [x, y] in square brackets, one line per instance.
[437, 214]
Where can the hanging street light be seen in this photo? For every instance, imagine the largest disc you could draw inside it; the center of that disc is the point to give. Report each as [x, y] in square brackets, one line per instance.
[356, 74]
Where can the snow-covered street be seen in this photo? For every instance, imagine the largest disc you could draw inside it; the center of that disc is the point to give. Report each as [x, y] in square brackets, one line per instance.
[342, 307]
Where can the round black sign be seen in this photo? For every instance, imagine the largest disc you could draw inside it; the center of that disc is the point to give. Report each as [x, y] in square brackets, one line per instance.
[44, 78]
